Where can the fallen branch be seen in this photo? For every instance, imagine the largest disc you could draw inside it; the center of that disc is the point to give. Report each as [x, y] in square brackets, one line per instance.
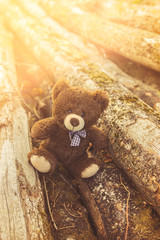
[93, 209]
[127, 225]
[49, 208]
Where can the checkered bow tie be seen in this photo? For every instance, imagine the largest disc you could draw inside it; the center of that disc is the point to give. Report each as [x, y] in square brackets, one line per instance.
[75, 137]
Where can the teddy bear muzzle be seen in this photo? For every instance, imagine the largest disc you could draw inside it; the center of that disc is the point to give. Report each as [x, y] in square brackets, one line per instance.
[74, 122]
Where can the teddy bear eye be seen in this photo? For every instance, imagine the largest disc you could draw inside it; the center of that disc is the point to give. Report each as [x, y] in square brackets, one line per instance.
[83, 114]
[69, 111]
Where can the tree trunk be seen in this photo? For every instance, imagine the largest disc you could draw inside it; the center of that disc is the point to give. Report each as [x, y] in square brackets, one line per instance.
[133, 126]
[22, 207]
[136, 70]
[138, 45]
[145, 92]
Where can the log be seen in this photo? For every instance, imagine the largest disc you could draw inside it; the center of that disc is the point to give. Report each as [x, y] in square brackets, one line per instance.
[80, 73]
[133, 126]
[146, 93]
[134, 15]
[137, 71]
[135, 44]
[22, 206]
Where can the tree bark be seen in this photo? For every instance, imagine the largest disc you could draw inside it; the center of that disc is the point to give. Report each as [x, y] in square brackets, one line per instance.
[138, 45]
[143, 91]
[22, 206]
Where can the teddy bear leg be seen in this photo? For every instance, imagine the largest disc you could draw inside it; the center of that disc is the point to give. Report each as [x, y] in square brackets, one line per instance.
[85, 167]
[90, 171]
[42, 160]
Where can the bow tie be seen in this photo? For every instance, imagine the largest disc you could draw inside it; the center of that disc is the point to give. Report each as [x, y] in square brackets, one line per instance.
[75, 137]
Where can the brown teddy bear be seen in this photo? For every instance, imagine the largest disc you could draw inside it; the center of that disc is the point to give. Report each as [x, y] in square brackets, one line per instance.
[66, 135]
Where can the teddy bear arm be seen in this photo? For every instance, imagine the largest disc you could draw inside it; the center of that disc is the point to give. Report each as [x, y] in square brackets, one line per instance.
[98, 138]
[43, 128]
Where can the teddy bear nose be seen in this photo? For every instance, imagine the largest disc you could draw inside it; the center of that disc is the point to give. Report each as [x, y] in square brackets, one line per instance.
[74, 122]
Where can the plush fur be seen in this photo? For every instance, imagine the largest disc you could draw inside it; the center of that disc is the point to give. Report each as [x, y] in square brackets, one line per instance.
[73, 109]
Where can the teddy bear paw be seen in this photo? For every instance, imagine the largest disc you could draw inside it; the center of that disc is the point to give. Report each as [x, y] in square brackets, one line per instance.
[40, 163]
[90, 171]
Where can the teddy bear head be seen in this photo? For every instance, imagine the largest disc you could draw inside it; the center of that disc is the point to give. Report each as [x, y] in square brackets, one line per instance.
[75, 108]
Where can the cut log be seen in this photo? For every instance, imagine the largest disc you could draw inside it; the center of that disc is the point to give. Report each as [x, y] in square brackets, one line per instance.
[133, 126]
[22, 206]
[137, 71]
[138, 45]
[146, 93]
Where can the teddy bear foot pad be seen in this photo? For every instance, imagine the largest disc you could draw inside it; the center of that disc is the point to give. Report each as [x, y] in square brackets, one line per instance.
[40, 163]
[90, 171]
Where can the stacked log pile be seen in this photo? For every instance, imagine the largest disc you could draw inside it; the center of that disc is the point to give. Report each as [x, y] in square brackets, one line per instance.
[123, 200]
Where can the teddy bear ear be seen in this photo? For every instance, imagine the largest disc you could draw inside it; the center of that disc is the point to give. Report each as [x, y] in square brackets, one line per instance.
[101, 97]
[58, 87]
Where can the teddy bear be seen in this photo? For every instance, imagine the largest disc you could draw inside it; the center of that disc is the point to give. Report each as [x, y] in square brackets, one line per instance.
[67, 134]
